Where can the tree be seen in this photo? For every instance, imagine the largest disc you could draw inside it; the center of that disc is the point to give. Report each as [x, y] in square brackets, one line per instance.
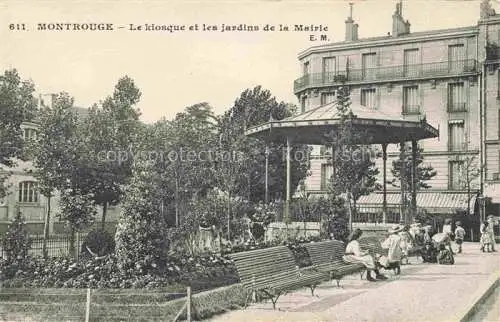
[230, 168]
[192, 144]
[54, 151]
[141, 241]
[354, 171]
[253, 107]
[78, 210]
[16, 241]
[110, 131]
[423, 172]
[336, 214]
[470, 170]
[185, 150]
[17, 105]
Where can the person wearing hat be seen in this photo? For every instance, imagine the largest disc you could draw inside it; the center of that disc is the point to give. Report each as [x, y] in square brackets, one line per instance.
[393, 244]
[354, 254]
[459, 236]
[491, 231]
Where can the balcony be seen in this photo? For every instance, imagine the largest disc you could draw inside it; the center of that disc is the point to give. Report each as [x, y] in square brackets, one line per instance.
[411, 109]
[457, 107]
[392, 73]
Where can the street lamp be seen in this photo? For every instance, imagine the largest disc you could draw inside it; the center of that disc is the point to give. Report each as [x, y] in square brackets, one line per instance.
[482, 207]
[267, 175]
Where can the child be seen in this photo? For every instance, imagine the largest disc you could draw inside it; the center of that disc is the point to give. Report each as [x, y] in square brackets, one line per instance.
[406, 244]
[447, 227]
[459, 236]
[485, 237]
[445, 256]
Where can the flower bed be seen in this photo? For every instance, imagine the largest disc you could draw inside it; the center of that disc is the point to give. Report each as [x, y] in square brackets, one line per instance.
[202, 272]
[156, 296]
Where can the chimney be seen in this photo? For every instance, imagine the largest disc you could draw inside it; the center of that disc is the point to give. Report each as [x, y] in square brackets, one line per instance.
[351, 28]
[399, 25]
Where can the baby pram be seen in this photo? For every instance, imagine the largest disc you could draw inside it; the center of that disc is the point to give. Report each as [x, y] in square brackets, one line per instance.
[440, 239]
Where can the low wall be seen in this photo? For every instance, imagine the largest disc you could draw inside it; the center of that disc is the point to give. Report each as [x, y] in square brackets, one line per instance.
[278, 230]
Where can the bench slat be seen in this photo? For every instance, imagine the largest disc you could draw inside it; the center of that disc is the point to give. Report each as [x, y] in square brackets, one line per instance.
[274, 270]
[327, 256]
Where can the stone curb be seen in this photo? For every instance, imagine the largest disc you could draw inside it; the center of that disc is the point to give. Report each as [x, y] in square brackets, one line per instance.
[482, 293]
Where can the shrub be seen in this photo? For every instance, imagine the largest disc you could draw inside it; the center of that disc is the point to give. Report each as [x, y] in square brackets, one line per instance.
[99, 242]
[16, 241]
[141, 241]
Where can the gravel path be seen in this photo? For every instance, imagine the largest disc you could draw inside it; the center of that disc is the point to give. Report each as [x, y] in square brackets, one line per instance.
[423, 292]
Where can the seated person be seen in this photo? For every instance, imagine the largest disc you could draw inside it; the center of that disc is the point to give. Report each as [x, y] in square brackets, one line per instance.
[445, 256]
[354, 254]
[395, 253]
[429, 253]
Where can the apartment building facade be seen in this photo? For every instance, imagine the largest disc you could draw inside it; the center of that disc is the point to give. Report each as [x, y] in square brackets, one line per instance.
[449, 77]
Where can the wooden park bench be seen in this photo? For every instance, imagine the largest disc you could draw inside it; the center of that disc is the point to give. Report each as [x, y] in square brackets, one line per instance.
[326, 256]
[273, 272]
[374, 247]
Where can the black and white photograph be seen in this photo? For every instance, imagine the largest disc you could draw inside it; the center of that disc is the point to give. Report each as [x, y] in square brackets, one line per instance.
[254, 160]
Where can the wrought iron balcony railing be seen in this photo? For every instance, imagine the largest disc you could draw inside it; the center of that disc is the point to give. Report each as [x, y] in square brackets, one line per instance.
[411, 109]
[429, 70]
[457, 147]
[457, 107]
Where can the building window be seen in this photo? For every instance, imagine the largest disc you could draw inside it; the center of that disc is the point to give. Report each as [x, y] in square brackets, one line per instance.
[303, 103]
[411, 100]
[457, 98]
[306, 69]
[456, 135]
[326, 175]
[28, 192]
[329, 69]
[369, 64]
[29, 134]
[454, 175]
[456, 57]
[411, 62]
[368, 98]
[327, 98]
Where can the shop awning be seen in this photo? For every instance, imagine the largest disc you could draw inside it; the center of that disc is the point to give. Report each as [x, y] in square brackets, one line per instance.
[432, 202]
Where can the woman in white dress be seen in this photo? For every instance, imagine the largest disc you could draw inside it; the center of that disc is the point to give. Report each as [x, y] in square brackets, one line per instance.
[354, 254]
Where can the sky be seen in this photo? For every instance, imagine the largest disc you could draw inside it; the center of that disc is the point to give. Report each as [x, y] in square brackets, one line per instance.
[177, 69]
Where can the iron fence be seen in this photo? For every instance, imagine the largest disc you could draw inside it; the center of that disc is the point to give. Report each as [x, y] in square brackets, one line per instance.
[57, 246]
